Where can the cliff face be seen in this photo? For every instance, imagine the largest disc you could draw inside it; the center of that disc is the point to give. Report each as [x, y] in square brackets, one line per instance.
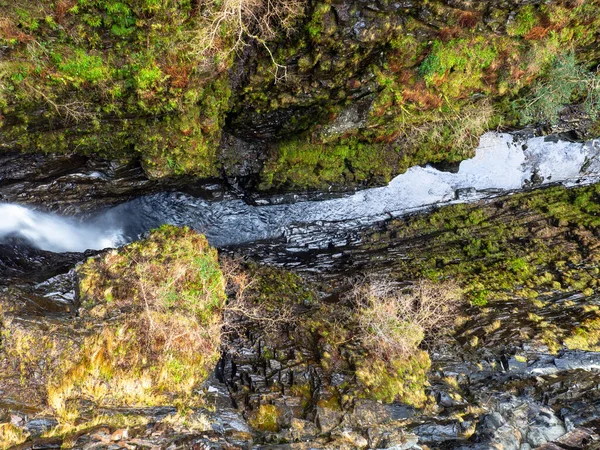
[304, 95]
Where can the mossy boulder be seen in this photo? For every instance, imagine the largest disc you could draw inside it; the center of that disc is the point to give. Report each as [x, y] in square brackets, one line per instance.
[402, 378]
[119, 79]
[147, 332]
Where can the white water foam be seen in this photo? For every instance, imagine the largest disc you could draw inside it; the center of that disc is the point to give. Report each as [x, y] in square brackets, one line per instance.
[502, 163]
[53, 233]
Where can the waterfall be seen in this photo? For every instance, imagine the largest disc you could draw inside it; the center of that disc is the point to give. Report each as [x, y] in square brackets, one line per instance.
[51, 232]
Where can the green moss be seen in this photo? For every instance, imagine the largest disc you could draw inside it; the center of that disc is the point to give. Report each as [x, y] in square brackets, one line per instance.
[298, 164]
[585, 337]
[274, 287]
[503, 256]
[523, 22]
[83, 67]
[315, 26]
[265, 418]
[458, 61]
[142, 89]
[401, 379]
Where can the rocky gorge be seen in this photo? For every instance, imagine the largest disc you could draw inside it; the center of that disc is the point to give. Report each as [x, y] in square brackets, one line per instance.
[298, 225]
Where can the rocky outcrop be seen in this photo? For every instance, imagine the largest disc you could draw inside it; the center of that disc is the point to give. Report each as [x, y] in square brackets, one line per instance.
[76, 184]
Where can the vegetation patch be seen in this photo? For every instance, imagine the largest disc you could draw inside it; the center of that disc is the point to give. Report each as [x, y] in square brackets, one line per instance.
[369, 336]
[391, 323]
[266, 418]
[11, 435]
[532, 249]
[160, 303]
[127, 78]
[148, 331]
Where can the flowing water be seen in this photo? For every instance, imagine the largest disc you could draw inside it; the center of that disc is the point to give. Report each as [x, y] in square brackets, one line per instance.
[503, 163]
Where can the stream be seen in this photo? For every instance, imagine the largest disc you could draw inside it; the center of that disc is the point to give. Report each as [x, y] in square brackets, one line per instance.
[503, 163]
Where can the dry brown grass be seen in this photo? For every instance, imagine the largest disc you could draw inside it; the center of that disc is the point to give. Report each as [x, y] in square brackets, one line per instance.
[468, 19]
[448, 33]
[537, 33]
[420, 95]
[61, 8]
[393, 320]
[9, 31]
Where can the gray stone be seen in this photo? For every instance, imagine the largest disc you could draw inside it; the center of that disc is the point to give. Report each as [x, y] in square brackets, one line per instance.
[328, 419]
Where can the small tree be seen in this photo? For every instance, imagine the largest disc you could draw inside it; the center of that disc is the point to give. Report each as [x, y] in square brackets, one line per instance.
[566, 82]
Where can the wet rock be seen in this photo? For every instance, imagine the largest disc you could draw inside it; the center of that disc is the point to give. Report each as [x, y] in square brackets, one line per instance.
[436, 432]
[395, 439]
[507, 438]
[351, 437]
[517, 365]
[367, 413]
[75, 184]
[574, 439]
[398, 411]
[241, 158]
[536, 179]
[545, 427]
[444, 399]
[20, 261]
[493, 421]
[327, 419]
[352, 117]
[300, 430]
[38, 425]
[578, 360]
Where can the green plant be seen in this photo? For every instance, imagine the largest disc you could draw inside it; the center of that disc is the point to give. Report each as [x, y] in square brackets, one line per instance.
[523, 22]
[83, 67]
[565, 82]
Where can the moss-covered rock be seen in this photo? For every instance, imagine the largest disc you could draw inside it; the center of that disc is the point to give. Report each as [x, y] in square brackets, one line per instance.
[403, 378]
[377, 358]
[433, 78]
[147, 332]
[117, 79]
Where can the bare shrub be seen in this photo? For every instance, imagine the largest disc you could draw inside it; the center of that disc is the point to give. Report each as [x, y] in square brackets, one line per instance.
[392, 321]
[246, 20]
[245, 307]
